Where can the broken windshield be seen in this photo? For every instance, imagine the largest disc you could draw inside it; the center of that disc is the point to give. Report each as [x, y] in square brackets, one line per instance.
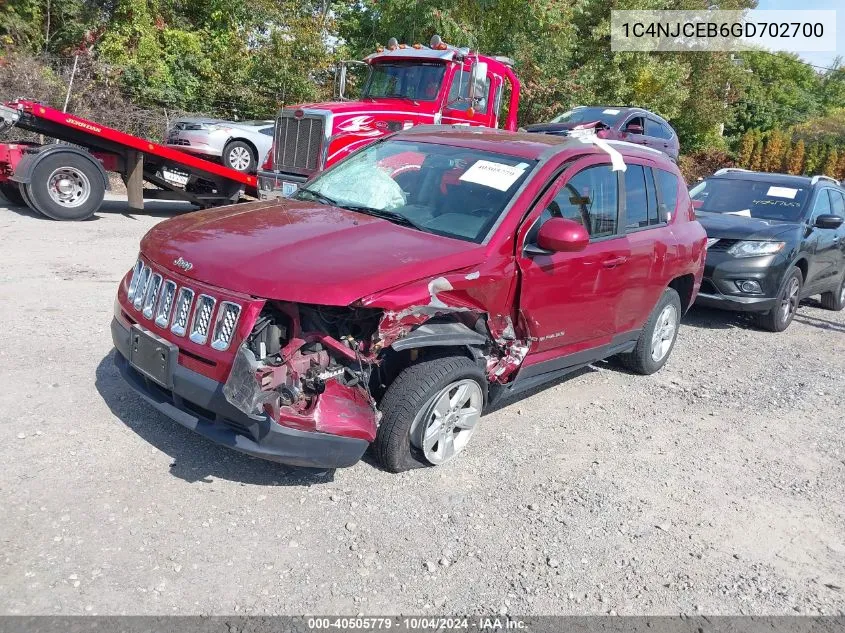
[452, 191]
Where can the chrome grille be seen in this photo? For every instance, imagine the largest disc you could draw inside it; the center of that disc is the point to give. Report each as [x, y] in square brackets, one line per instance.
[183, 307]
[133, 282]
[298, 142]
[224, 327]
[141, 287]
[150, 296]
[201, 322]
[165, 303]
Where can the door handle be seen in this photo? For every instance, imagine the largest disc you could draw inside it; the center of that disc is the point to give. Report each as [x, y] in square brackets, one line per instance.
[614, 261]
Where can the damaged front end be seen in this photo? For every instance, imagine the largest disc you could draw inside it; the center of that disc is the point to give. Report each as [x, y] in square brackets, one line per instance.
[308, 368]
[321, 368]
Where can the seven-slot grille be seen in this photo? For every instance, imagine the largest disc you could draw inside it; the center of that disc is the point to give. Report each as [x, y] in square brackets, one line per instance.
[169, 305]
[299, 142]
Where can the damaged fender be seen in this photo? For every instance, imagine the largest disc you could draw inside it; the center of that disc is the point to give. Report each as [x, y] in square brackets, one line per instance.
[478, 301]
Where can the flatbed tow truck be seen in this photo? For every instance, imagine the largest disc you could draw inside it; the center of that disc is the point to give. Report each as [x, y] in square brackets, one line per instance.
[67, 180]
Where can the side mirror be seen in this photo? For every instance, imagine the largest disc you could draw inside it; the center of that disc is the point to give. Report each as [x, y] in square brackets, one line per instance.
[828, 221]
[341, 80]
[477, 81]
[633, 128]
[562, 236]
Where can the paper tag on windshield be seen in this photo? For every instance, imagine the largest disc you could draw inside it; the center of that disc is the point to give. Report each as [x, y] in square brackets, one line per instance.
[610, 111]
[494, 175]
[782, 192]
[746, 213]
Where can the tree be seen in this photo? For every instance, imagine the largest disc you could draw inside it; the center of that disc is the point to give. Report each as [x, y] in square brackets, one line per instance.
[840, 167]
[773, 153]
[756, 162]
[795, 160]
[831, 162]
[813, 158]
[746, 148]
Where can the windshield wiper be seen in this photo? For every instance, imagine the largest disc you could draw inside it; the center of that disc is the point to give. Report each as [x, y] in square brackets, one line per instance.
[384, 214]
[319, 196]
[396, 95]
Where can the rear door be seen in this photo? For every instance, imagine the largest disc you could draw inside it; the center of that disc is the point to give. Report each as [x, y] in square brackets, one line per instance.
[645, 225]
[569, 300]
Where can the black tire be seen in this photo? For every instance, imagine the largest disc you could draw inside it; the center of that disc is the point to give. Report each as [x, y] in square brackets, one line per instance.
[641, 360]
[85, 180]
[412, 390]
[27, 200]
[835, 299]
[777, 319]
[12, 193]
[236, 153]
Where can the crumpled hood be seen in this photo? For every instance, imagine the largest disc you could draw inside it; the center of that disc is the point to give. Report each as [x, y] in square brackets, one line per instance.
[302, 252]
[737, 227]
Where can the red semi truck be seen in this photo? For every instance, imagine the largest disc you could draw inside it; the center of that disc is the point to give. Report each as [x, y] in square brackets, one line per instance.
[406, 85]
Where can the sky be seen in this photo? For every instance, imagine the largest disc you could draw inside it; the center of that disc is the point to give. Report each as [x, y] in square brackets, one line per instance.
[819, 59]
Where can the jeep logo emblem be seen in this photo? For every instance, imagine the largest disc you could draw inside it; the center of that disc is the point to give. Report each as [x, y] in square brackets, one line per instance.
[184, 265]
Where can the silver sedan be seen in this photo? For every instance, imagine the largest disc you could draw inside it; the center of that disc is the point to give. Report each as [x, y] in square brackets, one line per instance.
[241, 145]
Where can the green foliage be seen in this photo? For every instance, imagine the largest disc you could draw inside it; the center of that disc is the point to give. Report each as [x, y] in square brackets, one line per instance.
[239, 59]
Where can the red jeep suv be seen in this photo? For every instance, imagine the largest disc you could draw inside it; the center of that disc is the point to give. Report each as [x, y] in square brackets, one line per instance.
[403, 290]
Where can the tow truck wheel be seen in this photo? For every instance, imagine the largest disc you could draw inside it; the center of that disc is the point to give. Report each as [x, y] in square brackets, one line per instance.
[27, 200]
[12, 193]
[239, 156]
[429, 413]
[66, 186]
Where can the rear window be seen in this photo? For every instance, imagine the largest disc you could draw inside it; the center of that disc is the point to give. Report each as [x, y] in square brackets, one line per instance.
[667, 186]
[751, 198]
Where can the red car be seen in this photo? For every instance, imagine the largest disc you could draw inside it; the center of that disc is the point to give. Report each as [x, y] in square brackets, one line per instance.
[403, 290]
[633, 125]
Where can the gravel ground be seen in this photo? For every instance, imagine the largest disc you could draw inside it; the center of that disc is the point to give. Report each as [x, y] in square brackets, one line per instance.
[715, 486]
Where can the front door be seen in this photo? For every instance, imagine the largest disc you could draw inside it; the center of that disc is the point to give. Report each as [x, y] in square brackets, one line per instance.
[824, 262]
[568, 301]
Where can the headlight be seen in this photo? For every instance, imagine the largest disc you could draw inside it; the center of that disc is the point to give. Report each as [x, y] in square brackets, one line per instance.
[755, 248]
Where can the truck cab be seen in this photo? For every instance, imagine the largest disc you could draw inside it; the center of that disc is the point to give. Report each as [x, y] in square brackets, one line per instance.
[406, 85]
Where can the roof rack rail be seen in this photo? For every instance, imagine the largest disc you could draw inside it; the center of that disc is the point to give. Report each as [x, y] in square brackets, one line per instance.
[726, 170]
[817, 178]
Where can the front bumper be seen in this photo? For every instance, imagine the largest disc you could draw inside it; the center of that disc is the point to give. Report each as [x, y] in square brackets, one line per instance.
[198, 403]
[274, 184]
[722, 272]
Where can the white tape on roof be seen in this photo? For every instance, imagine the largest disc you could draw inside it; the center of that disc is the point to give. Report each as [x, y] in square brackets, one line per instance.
[589, 136]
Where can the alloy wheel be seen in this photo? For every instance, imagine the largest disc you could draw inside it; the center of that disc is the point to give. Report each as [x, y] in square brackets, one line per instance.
[789, 302]
[664, 332]
[444, 426]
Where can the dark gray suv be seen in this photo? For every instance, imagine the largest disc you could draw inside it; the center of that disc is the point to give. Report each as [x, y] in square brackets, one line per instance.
[773, 240]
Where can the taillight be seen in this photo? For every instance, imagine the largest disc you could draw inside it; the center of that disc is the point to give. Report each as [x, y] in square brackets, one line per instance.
[268, 164]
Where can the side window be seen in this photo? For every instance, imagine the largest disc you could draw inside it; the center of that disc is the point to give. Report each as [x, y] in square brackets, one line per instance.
[267, 131]
[636, 199]
[838, 201]
[459, 93]
[666, 131]
[636, 121]
[591, 199]
[652, 128]
[651, 190]
[822, 204]
[667, 185]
